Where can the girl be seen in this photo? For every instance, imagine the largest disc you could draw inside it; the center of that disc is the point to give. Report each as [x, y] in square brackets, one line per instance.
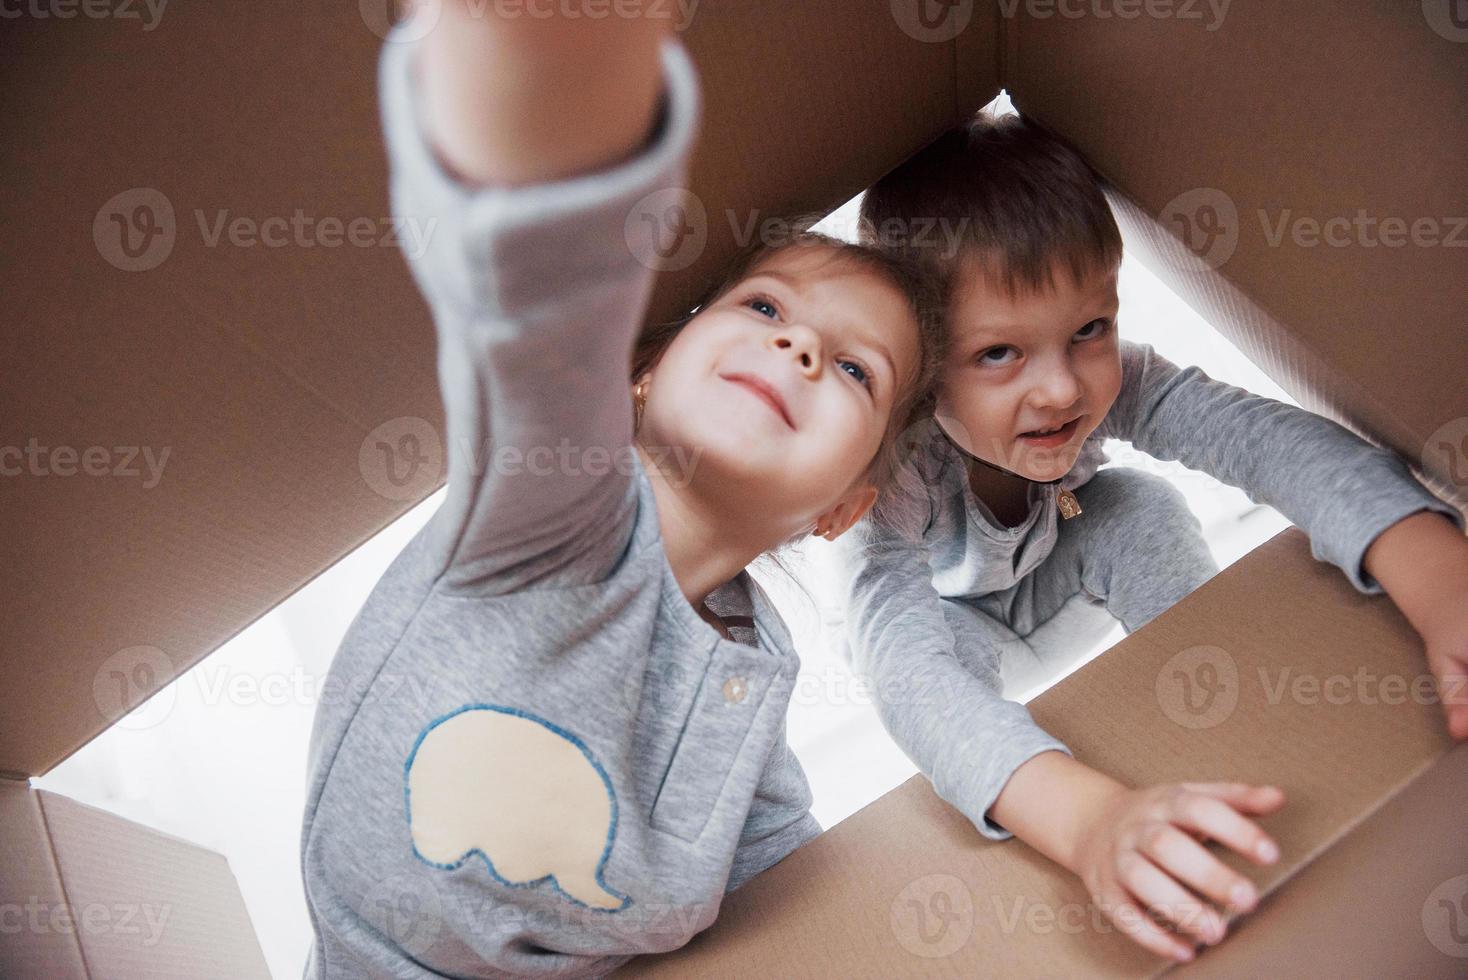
[565, 735]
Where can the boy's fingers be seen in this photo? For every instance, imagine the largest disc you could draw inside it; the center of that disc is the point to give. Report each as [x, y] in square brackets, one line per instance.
[1224, 824]
[1451, 677]
[1167, 898]
[1137, 925]
[1191, 863]
[1458, 722]
[1242, 796]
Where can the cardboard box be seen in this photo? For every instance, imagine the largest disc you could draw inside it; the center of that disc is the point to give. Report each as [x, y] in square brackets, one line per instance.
[1257, 130]
[1372, 828]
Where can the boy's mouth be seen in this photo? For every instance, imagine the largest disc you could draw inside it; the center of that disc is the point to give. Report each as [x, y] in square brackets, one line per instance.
[1050, 438]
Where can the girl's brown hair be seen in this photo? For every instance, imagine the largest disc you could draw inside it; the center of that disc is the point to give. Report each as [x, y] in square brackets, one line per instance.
[915, 396]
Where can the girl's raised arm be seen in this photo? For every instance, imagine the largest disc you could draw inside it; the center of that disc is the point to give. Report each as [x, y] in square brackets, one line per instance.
[514, 98]
[523, 149]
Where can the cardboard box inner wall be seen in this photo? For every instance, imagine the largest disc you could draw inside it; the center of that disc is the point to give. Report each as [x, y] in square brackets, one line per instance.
[263, 373]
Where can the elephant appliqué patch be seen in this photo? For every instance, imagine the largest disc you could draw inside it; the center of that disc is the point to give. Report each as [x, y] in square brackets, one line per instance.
[521, 793]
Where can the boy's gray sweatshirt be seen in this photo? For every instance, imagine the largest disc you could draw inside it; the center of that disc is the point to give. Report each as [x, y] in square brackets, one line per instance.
[536, 758]
[929, 539]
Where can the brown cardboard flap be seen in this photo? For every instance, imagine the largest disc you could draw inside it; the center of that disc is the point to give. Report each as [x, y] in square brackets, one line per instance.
[1276, 671]
[1399, 882]
[148, 904]
[260, 371]
[237, 399]
[1313, 159]
[31, 893]
[86, 893]
[807, 104]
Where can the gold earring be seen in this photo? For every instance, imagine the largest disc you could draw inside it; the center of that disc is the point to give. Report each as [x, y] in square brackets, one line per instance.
[639, 403]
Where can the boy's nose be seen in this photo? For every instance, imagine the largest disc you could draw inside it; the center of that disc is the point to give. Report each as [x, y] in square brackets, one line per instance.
[1056, 387]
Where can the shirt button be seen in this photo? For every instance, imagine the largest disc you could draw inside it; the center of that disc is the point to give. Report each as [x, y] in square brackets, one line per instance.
[735, 688]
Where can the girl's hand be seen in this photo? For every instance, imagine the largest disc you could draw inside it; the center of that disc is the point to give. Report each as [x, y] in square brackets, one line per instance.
[1142, 853]
[512, 100]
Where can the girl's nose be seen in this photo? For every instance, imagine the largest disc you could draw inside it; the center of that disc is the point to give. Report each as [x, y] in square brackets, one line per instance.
[800, 342]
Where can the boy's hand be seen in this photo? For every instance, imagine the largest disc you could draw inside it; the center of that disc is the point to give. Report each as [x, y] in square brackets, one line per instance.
[1422, 563]
[1447, 657]
[1140, 854]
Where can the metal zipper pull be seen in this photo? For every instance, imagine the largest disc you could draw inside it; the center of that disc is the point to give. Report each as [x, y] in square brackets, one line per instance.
[1069, 505]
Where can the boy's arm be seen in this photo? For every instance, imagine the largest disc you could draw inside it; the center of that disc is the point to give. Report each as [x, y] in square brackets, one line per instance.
[1422, 563]
[1338, 488]
[1362, 509]
[987, 757]
[533, 278]
[950, 718]
[1139, 852]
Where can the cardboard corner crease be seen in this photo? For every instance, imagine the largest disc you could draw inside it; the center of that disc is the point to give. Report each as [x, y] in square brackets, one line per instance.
[1303, 135]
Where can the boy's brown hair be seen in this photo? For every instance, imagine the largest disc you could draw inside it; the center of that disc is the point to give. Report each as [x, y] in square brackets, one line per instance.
[1019, 198]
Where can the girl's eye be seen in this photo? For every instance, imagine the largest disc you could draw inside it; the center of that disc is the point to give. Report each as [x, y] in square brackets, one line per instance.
[1093, 329]
[856, 371]
[763, 307]
[997, 356]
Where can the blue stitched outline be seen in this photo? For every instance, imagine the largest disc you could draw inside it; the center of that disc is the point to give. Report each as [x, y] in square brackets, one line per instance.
[556, 885]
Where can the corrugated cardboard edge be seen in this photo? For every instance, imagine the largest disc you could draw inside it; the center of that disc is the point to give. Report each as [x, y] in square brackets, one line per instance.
[1279, 351]
[30, 877]
[1400, 907]
[113, 898]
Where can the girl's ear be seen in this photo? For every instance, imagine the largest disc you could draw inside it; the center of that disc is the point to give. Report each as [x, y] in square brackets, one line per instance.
[850, 509]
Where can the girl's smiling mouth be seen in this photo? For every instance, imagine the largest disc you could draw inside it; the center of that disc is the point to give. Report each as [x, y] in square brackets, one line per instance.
[765, 391]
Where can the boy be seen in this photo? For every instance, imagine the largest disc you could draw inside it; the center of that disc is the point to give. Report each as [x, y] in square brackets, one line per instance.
[1000, 517]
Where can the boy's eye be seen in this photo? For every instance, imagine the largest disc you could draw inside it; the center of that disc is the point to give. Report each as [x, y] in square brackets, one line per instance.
[1093, 329]
[997, 355]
